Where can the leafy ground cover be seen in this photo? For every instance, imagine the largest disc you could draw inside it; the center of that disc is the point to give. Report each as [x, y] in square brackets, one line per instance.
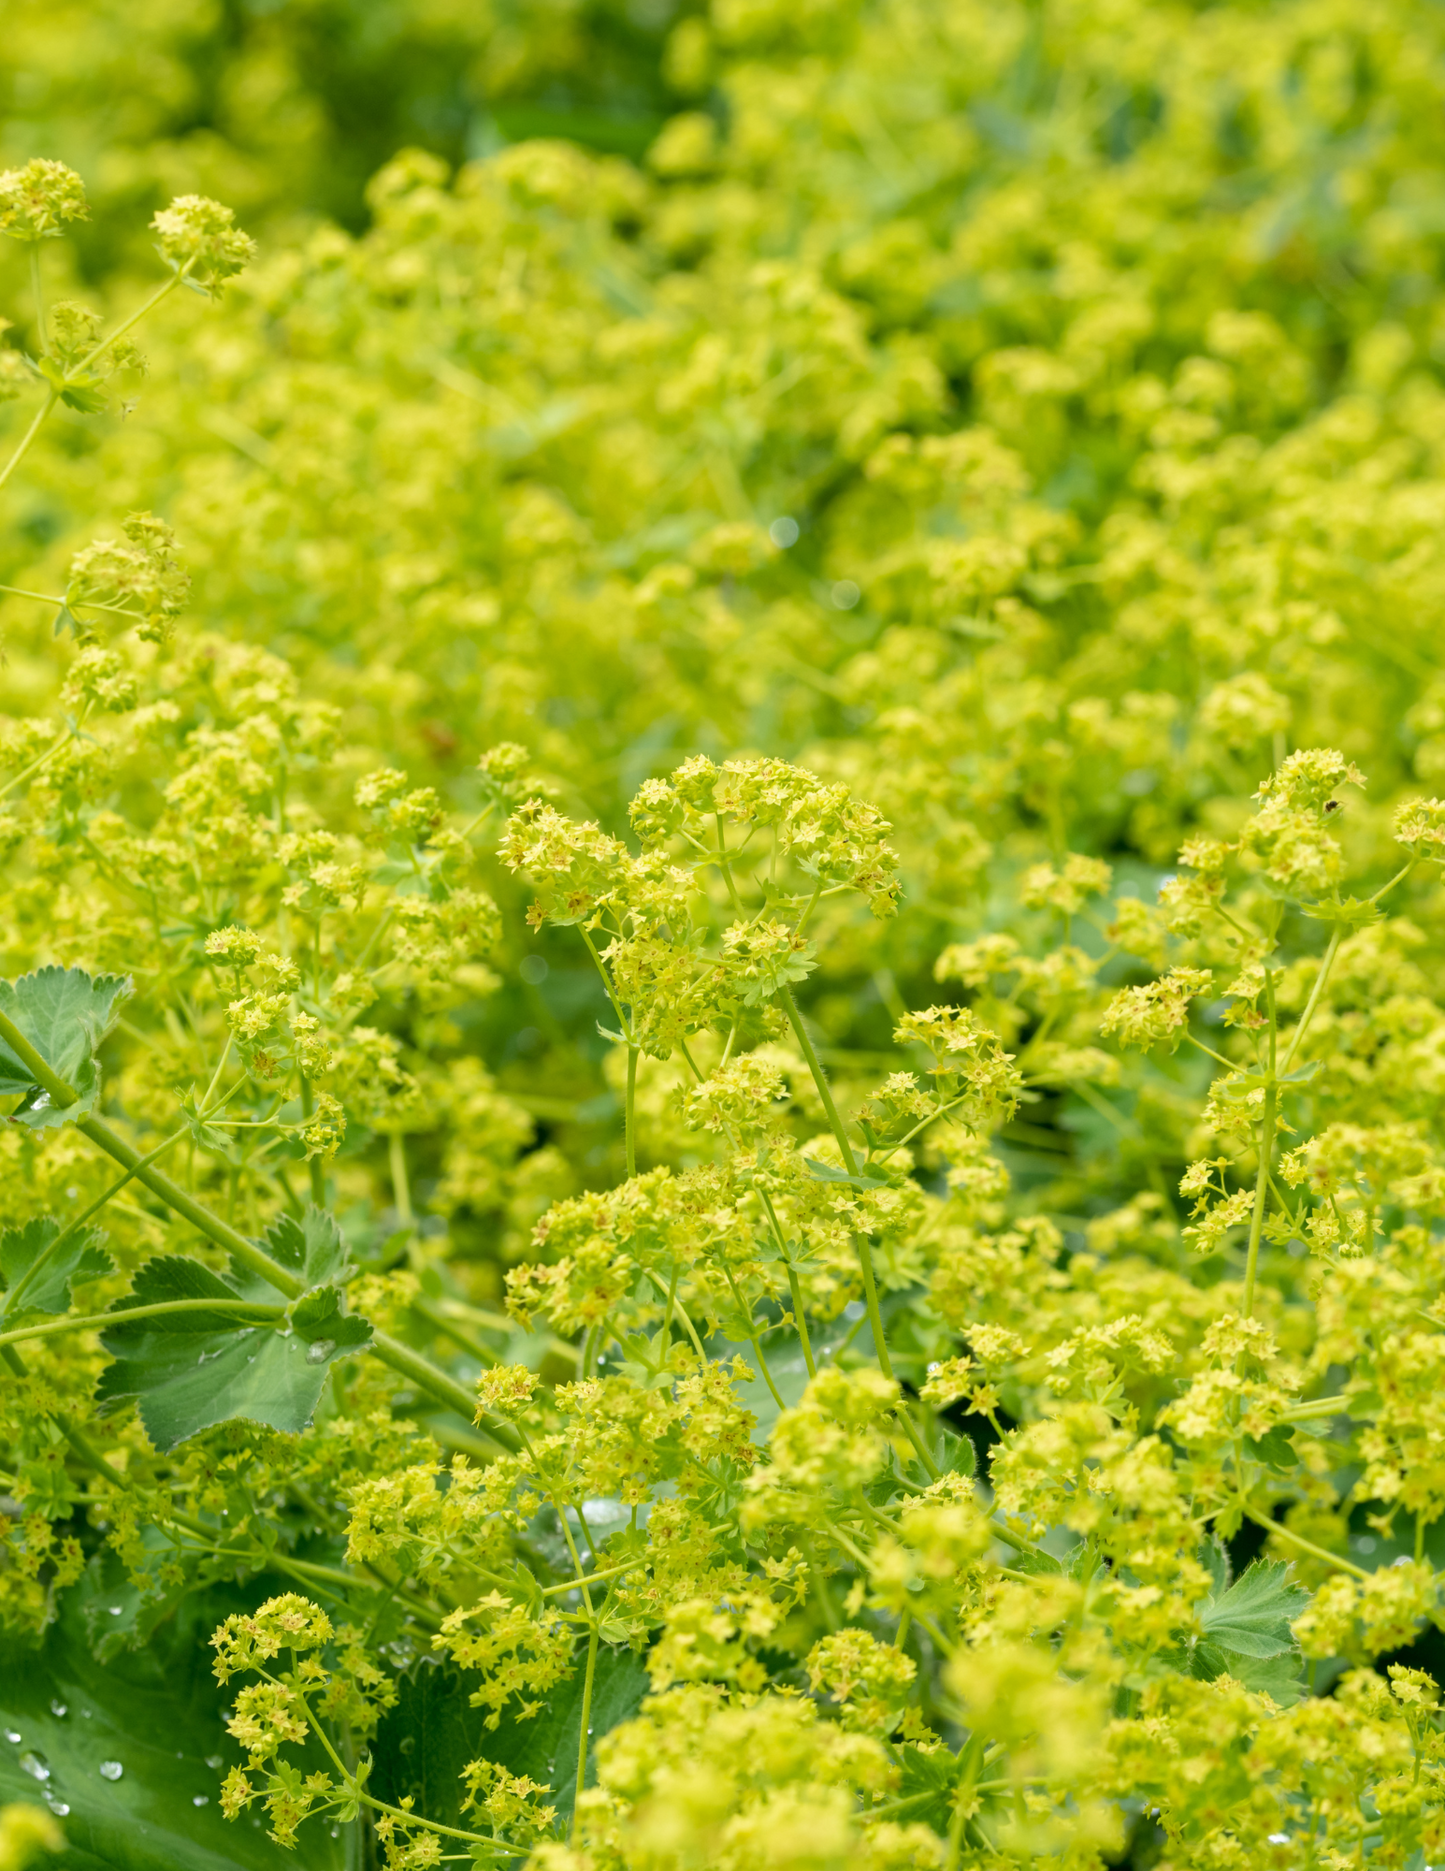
[721, 1011]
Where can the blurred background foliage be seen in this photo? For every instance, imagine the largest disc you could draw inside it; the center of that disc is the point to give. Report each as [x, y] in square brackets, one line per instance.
[286, 108]
[1029, 411]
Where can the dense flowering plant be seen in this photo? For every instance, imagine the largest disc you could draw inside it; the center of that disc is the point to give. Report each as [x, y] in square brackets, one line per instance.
[720, 999]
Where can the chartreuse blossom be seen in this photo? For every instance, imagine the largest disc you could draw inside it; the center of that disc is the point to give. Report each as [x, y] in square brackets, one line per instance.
[948, 1375]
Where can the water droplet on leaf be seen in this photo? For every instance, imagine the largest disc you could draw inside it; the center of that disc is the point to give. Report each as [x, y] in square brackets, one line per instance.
[320, 1351]
[111, 1770]
[215, 1763]
[36, 1764]
[200, 1799]
[58, 1709]
[12, 1735]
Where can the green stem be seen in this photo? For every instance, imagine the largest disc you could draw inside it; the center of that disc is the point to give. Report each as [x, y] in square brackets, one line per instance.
[674, 1302]
[37, 293]
[825, 1091]
[1266, 1153]
[400, 1358]
[101, 1321]
[860, 1240]
[753, 1339]
[1305, 1546]
[400, 1184]
[28, 437]
[315, 1168]
[587, 1683]
[72, 1228]
[629, 1115]
[1315, 993]
[151, 303]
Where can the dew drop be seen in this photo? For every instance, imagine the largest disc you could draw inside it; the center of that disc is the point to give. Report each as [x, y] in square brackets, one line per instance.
[320, 1351]
[58, 1807]
[59, 1710]
[336, 1832]
[200, 1799]
[407, 1745]
[116, 1610]
[215, 1763]
[36, 1764]
[111, 1770]
[12, 1735]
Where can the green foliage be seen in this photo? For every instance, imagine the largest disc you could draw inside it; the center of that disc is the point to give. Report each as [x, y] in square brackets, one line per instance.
[189, 1370]
[154, 1713]
[64, 1014]
[773, 1188]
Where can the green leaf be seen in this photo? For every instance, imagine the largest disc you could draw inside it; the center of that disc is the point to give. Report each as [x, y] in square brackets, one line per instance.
[312, 1247]
[65, 1014]
[1352, 912]
[1252, 1618]
[1276, 1448]
[1214, 1557]
[425, 1741]
[35, 1277]
[159, 1714]
[1279, 1677]
[81, 392]
[192, 1370]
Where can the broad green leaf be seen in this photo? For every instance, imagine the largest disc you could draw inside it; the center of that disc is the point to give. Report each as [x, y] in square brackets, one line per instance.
[65, 1014]
[36, 1276]
[1253, 1617]
[312, 1247]
[1280, 1677]
[192, 1370]
[1276, 1448]
[431, 1734]
[158, 1715]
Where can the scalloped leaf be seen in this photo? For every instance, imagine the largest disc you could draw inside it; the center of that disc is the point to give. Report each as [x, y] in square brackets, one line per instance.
[65, 1013]
[190, 1371]
[37, 1275]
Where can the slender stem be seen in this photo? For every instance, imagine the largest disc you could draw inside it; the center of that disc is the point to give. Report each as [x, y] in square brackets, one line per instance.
[315, 1168]
[151, 303]
[1305, 1546]
[37, 294]
[72, 1228]
[1316, 1408]
[28, 437]
[1266, 1152]
[753, 1339]
[400, 1358]
[584, 1725]
[725, 865]
[400, 1185]
[860, 1240]
[243, 1309]
[87, 604]
[468, 1341]
[40, 762]
[1315, 993]
[629, 1115]
[825, 1090]
[592, 1578]
[674, 1301]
